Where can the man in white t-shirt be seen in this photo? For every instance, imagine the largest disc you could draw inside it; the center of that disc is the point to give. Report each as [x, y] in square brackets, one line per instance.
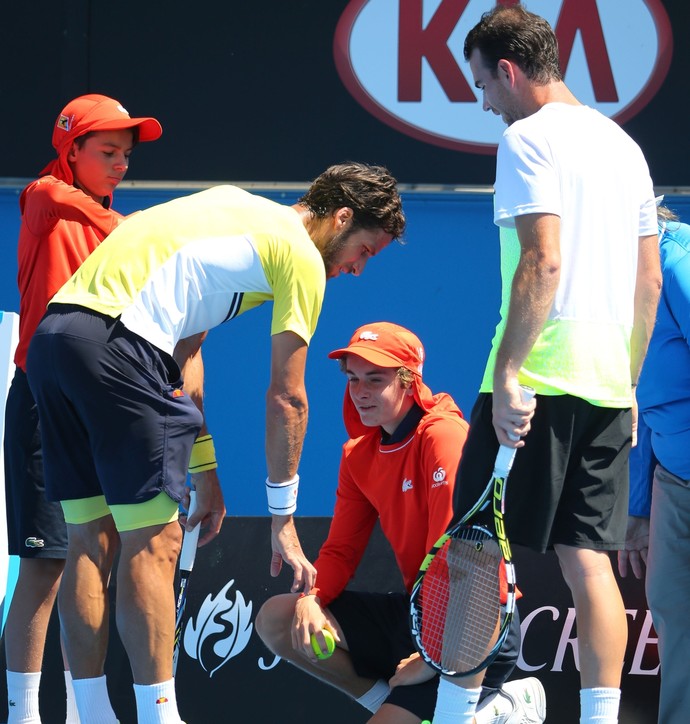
[581, 279]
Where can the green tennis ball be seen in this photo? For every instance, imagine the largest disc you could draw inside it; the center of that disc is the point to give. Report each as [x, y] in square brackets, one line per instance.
[330, 644]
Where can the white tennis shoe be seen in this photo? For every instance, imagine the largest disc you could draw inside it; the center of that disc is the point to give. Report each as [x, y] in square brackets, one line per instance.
[529, 700]
[522, 701]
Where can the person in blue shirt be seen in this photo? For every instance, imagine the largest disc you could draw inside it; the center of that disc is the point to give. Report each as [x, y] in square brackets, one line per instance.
[659, 511]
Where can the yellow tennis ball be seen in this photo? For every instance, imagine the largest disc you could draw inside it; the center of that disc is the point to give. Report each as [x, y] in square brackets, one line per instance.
[330, 644]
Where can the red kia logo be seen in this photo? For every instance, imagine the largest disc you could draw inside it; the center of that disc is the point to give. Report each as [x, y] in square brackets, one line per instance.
[402, 60]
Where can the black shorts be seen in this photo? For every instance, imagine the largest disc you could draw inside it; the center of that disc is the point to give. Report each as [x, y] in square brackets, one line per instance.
[377, 632]
[35, 526]
[114, 418]
[568, 484]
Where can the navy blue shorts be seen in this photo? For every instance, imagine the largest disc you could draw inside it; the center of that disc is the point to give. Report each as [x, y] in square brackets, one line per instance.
[35, 526]
[114, 418]
[568, 484]
[377, 631]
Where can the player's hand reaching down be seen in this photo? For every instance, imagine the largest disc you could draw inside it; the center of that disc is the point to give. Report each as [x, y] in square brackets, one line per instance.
[286, 547]
[210, 507]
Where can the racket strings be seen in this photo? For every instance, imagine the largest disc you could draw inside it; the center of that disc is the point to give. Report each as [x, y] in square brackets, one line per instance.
[460, 601]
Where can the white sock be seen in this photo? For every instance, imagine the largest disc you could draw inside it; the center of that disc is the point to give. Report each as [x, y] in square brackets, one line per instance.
[93, 702]
[22, 697]
[157, 703]
[72, 716]
[599, 705]
[455, 705]
[494, 707]
[373, 698]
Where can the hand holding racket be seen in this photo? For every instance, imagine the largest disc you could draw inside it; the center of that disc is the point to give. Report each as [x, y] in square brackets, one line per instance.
[455, 606]
[187, 556]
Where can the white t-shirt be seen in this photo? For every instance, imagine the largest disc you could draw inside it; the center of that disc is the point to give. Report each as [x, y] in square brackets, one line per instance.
[574, 162]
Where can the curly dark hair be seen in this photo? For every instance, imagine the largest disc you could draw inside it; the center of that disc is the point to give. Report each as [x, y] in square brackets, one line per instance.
[370, 191]
[512, 33]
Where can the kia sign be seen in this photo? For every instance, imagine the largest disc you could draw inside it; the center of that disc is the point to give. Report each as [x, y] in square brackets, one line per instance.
[403, 61]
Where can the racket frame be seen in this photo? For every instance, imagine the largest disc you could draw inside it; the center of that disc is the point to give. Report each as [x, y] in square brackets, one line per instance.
[493, 494]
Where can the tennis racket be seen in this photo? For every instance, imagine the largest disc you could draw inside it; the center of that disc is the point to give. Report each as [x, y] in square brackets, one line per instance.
[187, 556]
[456, 619]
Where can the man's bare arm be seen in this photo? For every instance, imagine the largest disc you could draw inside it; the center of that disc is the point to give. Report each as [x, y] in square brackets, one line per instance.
[533, 291]
[286, 426]
[286, 406]
[647, 292]
[210, 510]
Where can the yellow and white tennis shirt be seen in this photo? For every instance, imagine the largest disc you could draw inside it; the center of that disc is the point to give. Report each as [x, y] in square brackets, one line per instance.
[190, 264]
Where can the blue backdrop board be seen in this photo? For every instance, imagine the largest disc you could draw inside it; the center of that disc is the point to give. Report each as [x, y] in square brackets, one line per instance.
[442, 282]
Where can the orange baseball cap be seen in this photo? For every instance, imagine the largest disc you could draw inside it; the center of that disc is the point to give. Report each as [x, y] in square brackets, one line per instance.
[96, 112]
[385, 344]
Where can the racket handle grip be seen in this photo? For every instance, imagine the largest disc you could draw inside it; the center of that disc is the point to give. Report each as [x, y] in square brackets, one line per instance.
[504, 460]
[527, 392]
[190, 539]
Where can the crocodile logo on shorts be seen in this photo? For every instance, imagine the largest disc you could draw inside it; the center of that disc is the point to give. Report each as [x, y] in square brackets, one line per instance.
[33, 542]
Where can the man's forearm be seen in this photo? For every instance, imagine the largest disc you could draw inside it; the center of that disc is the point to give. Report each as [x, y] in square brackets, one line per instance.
[533, 290]
[647, 292]
[188, 356]
[531, 300]
[286, 426]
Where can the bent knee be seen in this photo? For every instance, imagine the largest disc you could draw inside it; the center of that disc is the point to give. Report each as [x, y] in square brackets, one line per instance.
[274, 620]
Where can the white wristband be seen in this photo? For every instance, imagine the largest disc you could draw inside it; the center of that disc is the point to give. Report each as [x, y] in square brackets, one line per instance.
[282, 497]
